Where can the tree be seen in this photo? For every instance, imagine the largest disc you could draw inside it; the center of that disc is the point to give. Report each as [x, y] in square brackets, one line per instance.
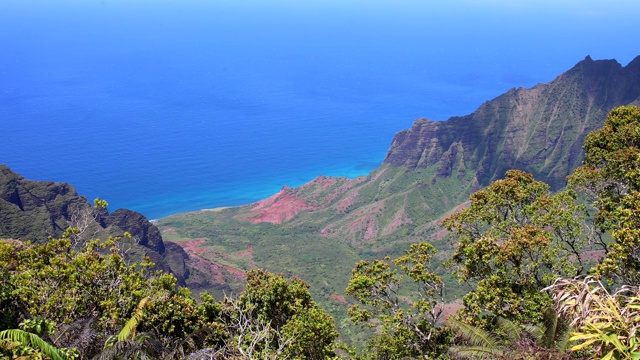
[296, 327]
[408, 326]
[610, 176]
[92, 294]
[513, 240]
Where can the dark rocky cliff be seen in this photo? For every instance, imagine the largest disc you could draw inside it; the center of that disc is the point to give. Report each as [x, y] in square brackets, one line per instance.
[34, 210]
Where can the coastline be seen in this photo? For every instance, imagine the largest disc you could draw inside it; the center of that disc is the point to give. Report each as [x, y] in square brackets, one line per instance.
[216, 209]
[220, 208]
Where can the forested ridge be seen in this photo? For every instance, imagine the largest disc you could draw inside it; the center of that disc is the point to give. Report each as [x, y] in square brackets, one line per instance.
[552, 275]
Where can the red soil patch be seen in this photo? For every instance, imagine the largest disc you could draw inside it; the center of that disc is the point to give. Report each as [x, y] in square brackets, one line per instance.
[343, 189]
[440, 234]
[236, 273]
[279, 208]
[399, 219]
[169, 230]
[338, 298]
[366, 223]
[325, 182]
[192, 243]
[345, 203]
[193, 246]
[245, 254]
[364, 220]
[217, 271]
[372, 228]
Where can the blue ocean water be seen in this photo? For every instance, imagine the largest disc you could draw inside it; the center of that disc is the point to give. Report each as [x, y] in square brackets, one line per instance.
[168, 106]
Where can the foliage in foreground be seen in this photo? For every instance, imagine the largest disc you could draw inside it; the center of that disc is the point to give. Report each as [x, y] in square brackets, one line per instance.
[545, 341]
[611, 177]
[409, 328]
[91, 303]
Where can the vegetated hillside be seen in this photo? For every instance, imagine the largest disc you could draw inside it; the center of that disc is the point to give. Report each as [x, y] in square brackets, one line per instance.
[318, 230]
[34, 210]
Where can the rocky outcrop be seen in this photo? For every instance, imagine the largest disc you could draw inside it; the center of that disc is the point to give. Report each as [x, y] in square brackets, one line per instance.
[31, 210]
[145, 233]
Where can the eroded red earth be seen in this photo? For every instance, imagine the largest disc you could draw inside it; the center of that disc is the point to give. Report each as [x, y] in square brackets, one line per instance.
[278, 208]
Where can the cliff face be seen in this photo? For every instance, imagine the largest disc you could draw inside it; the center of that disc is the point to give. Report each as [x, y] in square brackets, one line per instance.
[539, 130]
[35, 210]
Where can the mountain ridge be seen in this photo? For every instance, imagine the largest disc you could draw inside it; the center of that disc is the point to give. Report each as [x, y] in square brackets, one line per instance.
[427, 141]
[318, 231]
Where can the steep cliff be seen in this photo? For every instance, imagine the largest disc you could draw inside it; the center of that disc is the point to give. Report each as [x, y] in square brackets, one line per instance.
[539, 130]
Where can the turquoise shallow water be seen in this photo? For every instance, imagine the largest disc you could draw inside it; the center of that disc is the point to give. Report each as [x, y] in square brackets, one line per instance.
[171, 106]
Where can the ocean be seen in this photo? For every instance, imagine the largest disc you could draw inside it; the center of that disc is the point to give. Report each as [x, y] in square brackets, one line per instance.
[169, 106]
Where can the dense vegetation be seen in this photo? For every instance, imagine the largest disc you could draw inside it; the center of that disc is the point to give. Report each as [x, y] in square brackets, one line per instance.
[62, 303]
[551, 276]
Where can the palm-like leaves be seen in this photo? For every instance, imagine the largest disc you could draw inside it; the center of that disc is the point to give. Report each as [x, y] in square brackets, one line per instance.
[481, 342]
[515, 341]
[128, 332]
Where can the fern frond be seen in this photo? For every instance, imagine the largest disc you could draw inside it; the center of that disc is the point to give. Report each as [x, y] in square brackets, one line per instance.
[26, 338]
[511, 330]
[128, 332]
[535, 331]
[475, 351]
[473, 334]
[562, 342]
[80, 335]
[550, 323]
[144, 346]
